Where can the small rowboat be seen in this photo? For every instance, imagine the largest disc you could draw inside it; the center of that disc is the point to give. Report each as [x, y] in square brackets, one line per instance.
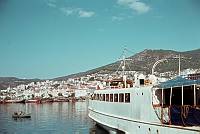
[21, 115]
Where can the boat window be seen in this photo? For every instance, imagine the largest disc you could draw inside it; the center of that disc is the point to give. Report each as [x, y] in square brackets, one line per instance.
[94, 97]
[111, 97]
[141, 81]
[188, 95]
[107, 97]
[177, 96]
[121, 97]
[103, 97]
[115, 97]
[127, 97]
[166, 96]
[198, 95]
[99, 96]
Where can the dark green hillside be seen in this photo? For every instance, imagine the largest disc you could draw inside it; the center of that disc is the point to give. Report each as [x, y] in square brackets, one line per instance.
[13, 81]
[144, 61]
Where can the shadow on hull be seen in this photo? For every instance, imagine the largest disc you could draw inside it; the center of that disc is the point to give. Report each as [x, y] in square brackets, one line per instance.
[97, 129]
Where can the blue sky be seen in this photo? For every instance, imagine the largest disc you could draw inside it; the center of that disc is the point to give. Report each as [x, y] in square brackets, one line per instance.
[51, 38]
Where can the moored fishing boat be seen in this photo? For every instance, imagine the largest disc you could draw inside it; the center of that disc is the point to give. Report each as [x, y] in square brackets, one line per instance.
[33, 101]
[14, 101]
[61, 100]
[46, 100]
[21, 115]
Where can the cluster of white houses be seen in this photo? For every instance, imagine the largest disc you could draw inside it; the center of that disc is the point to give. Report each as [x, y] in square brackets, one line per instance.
[76, 87]
[45, 89]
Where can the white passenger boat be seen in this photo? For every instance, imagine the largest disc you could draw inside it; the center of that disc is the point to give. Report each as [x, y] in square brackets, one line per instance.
[145, 106]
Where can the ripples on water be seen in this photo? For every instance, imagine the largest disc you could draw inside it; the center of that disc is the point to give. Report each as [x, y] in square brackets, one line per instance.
[48, 118]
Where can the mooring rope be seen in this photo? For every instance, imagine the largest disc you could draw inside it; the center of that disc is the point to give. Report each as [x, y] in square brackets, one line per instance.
[184, 113]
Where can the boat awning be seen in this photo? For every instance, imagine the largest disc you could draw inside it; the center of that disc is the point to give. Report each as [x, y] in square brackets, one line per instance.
[177, 82]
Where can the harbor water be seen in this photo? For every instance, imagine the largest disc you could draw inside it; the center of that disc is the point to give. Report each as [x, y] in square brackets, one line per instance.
[48, 118]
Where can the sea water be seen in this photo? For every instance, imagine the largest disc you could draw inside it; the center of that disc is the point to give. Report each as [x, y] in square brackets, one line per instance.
[48, 118]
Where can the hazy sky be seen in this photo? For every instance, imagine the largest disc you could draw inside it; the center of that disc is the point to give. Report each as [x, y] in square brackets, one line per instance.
[50, 38]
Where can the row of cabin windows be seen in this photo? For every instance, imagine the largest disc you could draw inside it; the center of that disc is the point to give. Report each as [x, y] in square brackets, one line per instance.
[121, 97]
[191, 96]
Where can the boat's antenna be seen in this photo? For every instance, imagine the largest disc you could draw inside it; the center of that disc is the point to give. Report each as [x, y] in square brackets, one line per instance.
[179, 63]
[124, 65]
[124, 60]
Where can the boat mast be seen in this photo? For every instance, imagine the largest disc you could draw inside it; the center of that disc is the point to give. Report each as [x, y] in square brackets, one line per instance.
[123, 70]
[124, 66]
[179, 63]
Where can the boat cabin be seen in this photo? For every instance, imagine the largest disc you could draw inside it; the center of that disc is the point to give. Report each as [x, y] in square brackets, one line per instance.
[119, 83]
[177, 102]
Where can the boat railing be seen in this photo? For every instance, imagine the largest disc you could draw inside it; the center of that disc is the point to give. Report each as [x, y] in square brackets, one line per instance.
[181, 115]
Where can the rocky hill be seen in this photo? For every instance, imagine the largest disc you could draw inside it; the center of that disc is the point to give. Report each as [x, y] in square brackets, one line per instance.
[13, 81]
[144, 61]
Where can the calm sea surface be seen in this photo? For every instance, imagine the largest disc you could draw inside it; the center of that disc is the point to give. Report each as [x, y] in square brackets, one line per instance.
[47, 118]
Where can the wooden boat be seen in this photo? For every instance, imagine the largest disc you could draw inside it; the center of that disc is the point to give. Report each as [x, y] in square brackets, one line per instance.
[33, 101]
[21, 115]
[46, 100]
[61, 100]
[14, 101]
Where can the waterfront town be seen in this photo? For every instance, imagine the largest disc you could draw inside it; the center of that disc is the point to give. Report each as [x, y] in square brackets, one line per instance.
[48, 91]
[73, 89]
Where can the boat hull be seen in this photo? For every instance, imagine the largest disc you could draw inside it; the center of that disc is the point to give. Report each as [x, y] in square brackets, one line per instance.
[14, 101]
[33, 101]
[131, 126]
[21, 116]
[137, 116]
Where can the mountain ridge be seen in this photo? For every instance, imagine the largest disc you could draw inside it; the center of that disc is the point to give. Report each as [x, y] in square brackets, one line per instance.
[5, 82]
[142, 61]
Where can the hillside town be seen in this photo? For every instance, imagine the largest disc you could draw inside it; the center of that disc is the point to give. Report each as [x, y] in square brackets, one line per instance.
[48, 91]
[74, 89]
